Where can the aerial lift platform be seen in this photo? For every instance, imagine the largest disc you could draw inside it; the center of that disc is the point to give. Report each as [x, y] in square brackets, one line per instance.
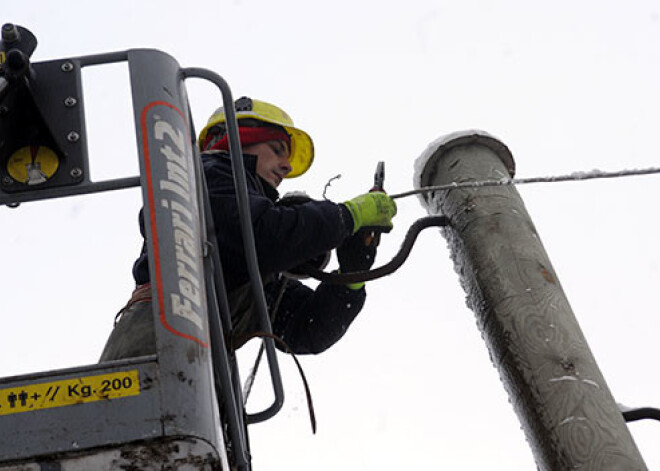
[180, 408]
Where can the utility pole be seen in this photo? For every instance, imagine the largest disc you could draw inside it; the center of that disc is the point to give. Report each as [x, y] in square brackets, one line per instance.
[566, 409]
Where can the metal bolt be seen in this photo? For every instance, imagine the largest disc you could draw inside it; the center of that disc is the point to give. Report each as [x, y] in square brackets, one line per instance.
[73, 136]
[67, 67]
[76, 172]
[7, 180]
[70, 101]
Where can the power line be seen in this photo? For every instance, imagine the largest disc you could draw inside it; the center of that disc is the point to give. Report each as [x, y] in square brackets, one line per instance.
[575, 176]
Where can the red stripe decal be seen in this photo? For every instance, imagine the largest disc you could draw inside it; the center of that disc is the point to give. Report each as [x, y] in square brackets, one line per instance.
[152, 218]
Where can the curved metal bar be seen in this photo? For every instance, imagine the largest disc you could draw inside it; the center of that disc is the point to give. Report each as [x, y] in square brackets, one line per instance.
[248, 237]
[218, 325]
[63, 191]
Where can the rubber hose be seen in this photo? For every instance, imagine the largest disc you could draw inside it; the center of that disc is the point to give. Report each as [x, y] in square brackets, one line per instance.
[388, 268]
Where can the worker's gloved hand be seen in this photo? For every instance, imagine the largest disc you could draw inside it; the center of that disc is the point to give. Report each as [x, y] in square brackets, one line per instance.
[372, 210]
[354, 255]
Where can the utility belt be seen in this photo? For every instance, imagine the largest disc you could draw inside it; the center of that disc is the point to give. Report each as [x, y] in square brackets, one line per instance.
[141, 294]
[241, 304]
[242, 307]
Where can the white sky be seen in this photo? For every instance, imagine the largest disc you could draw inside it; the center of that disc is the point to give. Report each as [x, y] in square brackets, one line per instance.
[567, 86]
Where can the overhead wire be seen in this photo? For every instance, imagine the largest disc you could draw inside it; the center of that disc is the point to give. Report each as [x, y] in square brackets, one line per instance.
[440, 220]
[575, 176]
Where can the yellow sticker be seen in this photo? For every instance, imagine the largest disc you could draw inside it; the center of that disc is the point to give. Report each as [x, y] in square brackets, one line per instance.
[32, 164]
[2, 57]
[69, 392]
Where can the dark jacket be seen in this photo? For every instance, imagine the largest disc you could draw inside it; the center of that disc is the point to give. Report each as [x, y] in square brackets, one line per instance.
[309, 321]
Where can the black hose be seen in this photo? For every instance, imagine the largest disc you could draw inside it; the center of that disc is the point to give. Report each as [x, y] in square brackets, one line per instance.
[388, 268]
[641, 413]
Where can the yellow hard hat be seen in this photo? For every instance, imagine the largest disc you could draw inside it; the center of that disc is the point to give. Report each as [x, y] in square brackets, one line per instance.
[302, 147]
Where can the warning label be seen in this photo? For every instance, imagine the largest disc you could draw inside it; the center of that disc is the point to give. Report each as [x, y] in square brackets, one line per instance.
[31, 397]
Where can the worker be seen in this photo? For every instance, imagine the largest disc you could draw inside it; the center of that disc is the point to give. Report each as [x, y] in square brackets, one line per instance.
[286, 235]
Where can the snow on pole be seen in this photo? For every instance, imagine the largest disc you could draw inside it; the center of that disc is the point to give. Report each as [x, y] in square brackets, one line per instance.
[566, 409]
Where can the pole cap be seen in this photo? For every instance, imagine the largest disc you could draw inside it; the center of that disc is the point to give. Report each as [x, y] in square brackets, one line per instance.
[426, 161]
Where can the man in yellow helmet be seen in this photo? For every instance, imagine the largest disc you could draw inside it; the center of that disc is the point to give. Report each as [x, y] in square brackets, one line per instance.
[286, 235]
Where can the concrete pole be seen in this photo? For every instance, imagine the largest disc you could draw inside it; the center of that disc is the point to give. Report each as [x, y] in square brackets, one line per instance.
[566, 409]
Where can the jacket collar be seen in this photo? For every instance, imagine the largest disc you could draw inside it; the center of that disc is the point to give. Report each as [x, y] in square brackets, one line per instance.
[250, 163]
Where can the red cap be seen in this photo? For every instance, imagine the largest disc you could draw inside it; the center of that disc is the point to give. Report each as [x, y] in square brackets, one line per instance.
[249, 136]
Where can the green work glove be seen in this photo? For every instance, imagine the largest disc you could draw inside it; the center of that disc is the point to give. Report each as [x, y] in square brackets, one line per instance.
[372, 210]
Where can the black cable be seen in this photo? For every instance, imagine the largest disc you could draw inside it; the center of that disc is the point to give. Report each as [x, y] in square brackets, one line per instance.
[641, 413]
[250, 380]
[388, 268]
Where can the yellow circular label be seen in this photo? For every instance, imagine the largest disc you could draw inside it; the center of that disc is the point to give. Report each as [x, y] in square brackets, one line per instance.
[32, 165]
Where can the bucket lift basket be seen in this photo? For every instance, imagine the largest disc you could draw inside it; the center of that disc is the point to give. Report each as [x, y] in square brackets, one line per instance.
[181, 406]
